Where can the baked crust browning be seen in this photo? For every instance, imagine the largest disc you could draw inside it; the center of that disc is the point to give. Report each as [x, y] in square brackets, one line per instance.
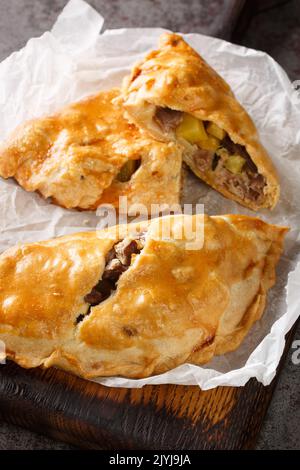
[168, 305]
[76, 155]
[175, 79]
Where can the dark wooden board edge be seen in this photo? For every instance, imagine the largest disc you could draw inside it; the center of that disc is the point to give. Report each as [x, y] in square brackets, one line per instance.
[165, 417]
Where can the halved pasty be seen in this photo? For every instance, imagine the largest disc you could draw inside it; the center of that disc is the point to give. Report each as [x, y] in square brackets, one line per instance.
[136, 300]
[88, 154]
[175, 95]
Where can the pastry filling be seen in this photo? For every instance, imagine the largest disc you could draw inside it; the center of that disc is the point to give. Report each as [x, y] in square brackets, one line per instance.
[215, 154]
[168, 119]
[118, 260]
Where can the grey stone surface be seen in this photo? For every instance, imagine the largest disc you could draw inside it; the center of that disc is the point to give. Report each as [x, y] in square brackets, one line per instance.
[16, 438]
[276, 31]
[281, 427]
[22, 19]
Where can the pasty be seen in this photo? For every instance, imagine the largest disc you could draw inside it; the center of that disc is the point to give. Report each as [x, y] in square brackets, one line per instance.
[88, 154]
[176, 96]
[133, 302]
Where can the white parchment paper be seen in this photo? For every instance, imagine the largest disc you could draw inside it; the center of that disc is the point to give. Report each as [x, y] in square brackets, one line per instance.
[75, 60]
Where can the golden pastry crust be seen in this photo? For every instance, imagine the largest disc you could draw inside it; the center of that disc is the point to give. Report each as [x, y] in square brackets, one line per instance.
[174, 76]
[74, 157]
[173, 305]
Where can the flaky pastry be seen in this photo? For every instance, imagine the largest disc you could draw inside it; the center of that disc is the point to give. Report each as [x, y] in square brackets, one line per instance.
[132, 302]
[176, 96]
[88, 154]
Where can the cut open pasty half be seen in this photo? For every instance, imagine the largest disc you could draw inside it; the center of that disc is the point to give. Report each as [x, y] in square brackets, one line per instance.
[133, 301]
[88, 154]
[176, 96]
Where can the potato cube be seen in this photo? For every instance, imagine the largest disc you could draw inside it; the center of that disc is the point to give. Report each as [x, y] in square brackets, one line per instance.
[235, 164]
[191, 129]
[215, 131]
[211, 143]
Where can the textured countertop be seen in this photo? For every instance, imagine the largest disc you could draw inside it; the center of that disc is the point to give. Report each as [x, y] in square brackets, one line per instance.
[275, 30]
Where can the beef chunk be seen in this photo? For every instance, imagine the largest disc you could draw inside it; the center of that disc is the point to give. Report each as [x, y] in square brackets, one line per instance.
[168, 119]
[99, 292]
[248, 184]
[118, 260]
[203, 159]
[113, 270]
[125, 249]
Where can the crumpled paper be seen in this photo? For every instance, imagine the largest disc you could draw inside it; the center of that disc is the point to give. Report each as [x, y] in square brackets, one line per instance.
[75, 60]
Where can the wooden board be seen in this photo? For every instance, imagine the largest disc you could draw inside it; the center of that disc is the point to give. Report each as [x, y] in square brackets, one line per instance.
[161, 417]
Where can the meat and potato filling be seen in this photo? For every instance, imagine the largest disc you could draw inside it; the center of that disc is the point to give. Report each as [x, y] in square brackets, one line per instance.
[215, 153]
[118, 260]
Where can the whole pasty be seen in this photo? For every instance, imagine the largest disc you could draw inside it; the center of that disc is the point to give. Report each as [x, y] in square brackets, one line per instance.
[175, 95]
[133, 300]
[88, 154]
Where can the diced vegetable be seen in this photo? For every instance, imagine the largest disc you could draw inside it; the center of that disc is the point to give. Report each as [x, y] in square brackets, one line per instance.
[215, 131]
[127, 171]
[235, 164]
[191, 129]
[210, 143]
[222, 152]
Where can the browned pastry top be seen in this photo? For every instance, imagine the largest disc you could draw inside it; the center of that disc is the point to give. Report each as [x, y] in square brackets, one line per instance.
[118, 302]
[75, 156]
